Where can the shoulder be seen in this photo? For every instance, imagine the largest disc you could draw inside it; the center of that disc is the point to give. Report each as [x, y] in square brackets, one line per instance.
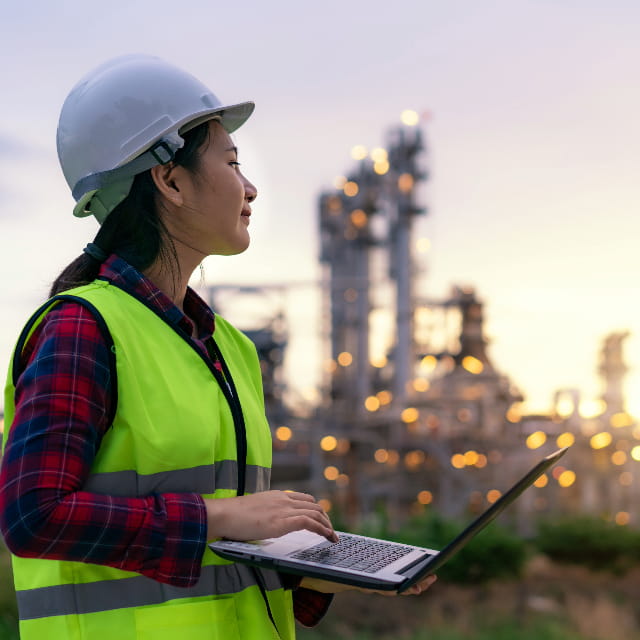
[68, 325]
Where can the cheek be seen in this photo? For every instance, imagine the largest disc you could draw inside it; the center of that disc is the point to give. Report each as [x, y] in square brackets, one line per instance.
[238, 189]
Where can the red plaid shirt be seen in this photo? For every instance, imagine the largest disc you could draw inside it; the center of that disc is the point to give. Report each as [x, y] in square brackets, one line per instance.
[64, 398]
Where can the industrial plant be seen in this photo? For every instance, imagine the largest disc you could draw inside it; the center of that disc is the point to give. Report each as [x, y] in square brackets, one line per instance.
[412, 413]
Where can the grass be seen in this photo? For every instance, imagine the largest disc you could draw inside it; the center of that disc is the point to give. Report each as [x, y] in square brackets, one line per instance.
[8, 610]
[8, 629]
[540, 629]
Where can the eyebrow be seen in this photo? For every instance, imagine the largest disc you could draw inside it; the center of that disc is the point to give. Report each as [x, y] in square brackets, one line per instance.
[234, 149]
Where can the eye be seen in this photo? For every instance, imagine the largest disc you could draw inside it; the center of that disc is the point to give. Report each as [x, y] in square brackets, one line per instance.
[234, 163]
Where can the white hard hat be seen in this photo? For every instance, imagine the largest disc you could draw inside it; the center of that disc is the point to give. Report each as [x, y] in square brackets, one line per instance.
[126, 116]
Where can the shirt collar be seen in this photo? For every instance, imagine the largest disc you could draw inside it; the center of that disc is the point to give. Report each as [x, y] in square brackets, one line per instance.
[196, 311]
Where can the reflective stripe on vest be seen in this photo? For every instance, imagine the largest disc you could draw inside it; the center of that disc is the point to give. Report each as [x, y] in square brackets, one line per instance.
[69, 599]
[206, 479]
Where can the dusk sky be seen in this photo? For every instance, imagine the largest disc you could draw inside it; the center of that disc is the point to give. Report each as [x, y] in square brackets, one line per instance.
[534, 152]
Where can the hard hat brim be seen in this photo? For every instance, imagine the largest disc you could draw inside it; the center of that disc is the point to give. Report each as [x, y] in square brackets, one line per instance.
[234, 116]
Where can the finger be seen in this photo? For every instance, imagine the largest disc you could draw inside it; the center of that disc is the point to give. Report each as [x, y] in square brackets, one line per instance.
[298, 522]
[296, 495]
[321, 518]
[303, 504]
[421, 586]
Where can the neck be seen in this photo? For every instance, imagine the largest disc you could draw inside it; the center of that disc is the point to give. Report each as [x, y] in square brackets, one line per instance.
[172, 279]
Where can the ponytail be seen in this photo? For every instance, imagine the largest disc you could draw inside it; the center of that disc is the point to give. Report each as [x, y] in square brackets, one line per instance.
[134, 229]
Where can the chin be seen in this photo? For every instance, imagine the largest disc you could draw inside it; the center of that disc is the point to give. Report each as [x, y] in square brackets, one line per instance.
[232, 251]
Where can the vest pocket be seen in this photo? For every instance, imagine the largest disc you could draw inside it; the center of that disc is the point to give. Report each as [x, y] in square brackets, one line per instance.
[210, 619]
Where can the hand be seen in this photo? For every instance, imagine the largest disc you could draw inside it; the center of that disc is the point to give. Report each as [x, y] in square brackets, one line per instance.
[324, 586]
[267, 514]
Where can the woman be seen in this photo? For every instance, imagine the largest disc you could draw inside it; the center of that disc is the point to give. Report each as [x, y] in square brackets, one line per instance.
[137, 429]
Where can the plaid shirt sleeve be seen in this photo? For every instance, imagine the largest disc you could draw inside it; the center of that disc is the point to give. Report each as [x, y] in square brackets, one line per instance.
[63, 400]
[309, 607]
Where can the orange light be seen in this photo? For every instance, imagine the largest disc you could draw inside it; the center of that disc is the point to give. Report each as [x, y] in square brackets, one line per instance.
[565, 439]
[331, 473]
[283, 433]
[542, 481]
[425, 497]
[513, 415]
[493, 495]
[350, 189]
[381, 167]
[385, 397]
[381, 456]
[393, 458]
[566, 478]
[428, 363]
[325, 504]
[410, 414]
[470, 458]
[405, 182]
[457, 461]
[328, 443]
[536, 439]
[372, 403]
[414, 459]
[622, 518]
[472, 365]
[618, 457]
[345, 359]
[601, 440]
[358, 218]
[621, 419]
[421, 385]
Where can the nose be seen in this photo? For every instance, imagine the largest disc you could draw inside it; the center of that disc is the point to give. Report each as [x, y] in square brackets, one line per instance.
[250, 192]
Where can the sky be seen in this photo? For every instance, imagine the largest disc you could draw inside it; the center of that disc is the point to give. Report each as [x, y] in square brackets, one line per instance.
[533, 152]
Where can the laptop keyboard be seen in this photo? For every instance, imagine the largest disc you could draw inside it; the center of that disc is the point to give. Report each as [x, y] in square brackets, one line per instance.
[354, 553]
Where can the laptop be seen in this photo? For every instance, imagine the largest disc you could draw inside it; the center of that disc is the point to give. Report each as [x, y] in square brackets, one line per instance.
[366, 562]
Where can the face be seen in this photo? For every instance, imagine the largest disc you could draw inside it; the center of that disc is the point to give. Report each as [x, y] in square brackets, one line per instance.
[215, 211]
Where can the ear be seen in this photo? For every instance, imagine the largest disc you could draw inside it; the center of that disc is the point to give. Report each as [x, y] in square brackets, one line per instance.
[167, 180]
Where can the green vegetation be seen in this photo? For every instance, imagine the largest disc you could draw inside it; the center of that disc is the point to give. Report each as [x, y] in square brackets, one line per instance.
[591, 542]
[8, 610]
[542, 628]
[494, 553]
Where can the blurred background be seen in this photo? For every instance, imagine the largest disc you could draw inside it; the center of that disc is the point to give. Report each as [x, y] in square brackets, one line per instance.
[442, 281]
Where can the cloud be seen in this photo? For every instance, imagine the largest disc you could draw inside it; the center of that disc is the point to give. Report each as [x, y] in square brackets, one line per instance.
[20, 160]
[14, 147]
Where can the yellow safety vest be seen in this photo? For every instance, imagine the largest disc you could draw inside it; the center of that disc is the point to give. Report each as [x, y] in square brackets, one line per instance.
[173, 431]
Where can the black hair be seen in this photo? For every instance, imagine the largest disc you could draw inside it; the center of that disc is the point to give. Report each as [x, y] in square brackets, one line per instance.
[134, 229]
